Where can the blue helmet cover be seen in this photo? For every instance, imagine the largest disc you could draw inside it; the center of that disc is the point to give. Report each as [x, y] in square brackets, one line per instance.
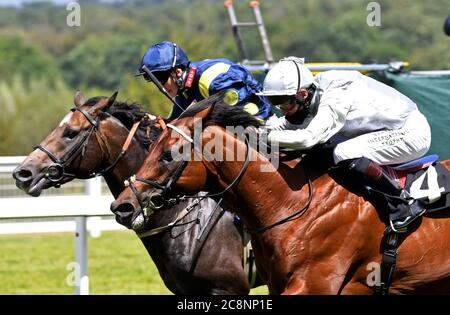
[160, 57]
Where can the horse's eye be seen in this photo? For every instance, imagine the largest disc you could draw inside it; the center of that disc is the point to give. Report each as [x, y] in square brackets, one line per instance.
[70, 133]
[167, 156]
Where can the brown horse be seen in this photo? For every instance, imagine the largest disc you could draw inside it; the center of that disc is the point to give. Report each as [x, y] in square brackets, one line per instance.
[331, 248]
[187, 253]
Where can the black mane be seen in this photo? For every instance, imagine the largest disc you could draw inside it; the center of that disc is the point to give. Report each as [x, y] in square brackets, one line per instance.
[129, 113]
[222, 114]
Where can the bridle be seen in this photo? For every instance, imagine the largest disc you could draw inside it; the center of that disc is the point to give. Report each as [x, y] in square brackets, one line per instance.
[171, 181]
[167, 187]
[57, 171]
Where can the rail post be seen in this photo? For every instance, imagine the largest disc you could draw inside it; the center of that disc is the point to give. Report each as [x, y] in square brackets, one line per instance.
[81, 256]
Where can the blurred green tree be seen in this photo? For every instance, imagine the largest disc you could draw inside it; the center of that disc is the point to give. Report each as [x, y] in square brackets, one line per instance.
[19, 57]
[30, 109]
[103, 62]
[43, 61]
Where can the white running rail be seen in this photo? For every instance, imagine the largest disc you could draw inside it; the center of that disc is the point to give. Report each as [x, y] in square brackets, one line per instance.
[84, 203]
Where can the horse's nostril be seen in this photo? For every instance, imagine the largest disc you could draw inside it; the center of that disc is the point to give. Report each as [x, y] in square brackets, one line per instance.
[22, 175]
[122, 209]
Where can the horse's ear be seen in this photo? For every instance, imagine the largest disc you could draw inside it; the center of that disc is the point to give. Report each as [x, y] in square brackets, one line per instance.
[204, 114]
[104, 104]
[112, 98]
[78, 99]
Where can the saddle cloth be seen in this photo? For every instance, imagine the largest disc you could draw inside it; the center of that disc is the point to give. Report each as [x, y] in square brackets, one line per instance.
[424, 179]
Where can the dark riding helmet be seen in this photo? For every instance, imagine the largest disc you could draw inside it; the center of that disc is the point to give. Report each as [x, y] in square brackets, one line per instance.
[447, 26]
[163, 57]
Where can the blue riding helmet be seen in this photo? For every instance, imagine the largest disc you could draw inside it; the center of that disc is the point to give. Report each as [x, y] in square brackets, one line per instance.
[163, 57]
[447, 26]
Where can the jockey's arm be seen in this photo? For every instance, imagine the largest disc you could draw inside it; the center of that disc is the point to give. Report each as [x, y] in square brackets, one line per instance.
[235, 91]
[330, 118]
[279, 123]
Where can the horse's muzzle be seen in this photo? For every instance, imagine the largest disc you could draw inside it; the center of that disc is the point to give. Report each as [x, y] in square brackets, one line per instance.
[23, 177]
[124, 212]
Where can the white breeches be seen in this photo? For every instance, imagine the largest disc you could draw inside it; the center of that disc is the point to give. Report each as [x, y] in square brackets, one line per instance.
[389, 146]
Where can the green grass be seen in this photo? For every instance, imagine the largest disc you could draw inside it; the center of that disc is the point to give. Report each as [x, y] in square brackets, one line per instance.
[118, 264]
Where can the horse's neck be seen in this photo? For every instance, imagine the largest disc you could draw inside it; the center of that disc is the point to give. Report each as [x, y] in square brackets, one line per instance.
[128, 164]
[269, 193]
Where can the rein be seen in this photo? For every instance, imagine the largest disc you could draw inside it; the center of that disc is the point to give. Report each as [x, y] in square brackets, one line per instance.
[57, 172]
[178, 218]
[177, 173]
[174, 178]
[293, 216]
[168, 186]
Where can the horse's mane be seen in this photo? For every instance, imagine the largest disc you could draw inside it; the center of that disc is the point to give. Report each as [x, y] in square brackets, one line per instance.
[222, 114]
[128, 113]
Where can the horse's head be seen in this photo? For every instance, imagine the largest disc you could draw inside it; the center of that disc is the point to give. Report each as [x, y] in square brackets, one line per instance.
[63, 152]
[179, 162]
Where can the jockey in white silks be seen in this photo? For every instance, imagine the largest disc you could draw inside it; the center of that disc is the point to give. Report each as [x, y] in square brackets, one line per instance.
[381, 126]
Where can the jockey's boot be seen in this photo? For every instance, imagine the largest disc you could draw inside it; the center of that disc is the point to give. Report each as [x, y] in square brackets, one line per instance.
[402, 209]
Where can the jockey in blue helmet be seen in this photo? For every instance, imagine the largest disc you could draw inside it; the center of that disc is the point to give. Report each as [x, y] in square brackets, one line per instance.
[190, 82]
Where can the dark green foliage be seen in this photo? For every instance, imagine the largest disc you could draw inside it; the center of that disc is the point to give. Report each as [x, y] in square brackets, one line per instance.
[112, 38]
[103, 62]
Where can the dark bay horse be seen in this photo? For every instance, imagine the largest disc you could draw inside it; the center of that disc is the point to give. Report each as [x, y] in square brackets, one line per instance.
[331, 248]
[191, 257]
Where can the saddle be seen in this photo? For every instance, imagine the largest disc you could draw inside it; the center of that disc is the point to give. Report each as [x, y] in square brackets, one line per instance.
[424, 179]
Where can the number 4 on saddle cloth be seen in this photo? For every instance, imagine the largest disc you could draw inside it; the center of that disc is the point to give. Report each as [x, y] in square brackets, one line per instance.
[424, 185]
[424, 179]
